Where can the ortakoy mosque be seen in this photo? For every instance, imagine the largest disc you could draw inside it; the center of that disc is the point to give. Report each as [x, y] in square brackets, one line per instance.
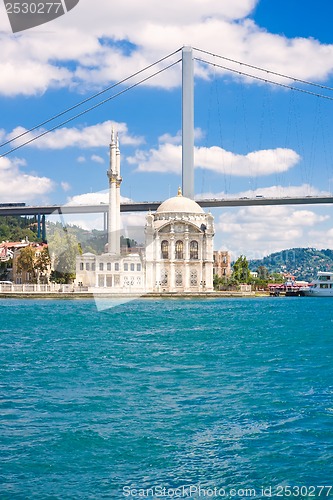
[178, 250]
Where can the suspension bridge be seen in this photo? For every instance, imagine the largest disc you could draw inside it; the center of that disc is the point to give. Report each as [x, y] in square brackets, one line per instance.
[187, 61]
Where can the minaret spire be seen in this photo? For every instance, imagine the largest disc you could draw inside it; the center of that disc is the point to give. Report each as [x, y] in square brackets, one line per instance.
[117, 155]
[113, 149]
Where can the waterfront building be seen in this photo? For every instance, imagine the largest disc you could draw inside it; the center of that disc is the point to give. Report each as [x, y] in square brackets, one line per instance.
[177, 254]
[222, 264]
[7, 249]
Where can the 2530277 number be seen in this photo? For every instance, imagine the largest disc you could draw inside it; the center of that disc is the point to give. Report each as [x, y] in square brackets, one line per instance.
[303, 491]
[33, 8]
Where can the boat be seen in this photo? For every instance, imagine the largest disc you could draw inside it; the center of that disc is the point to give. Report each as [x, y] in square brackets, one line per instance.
[292, 289]
[320, 287]
[288, 289]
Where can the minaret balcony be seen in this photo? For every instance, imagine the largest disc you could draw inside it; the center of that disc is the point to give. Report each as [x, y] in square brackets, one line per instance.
[113, 177]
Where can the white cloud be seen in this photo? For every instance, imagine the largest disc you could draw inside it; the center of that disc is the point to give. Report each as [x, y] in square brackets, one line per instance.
[93, 198]
[97, 159]
[167, 159]
[279, 191]
[90, 37]
[65, 186]
[132, 223]
[81, 159]
[322, 239]
[86, 137]
[177, 139]
[253, 164]
[31, 77]
[171, 139]
[17, 186]
[256, 231]
[261, 230]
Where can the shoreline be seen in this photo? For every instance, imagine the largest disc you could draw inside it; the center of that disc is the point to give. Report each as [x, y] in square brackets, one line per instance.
[165, 295]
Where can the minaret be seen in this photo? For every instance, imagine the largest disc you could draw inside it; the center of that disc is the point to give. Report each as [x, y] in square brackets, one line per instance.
[118, 183]
[114, 208]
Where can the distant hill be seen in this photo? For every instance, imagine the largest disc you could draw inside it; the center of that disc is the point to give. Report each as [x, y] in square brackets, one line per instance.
[18, 228]
[93, 241]
[303, 263]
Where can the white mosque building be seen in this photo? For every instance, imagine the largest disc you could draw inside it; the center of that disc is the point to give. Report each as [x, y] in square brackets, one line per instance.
[177, 255]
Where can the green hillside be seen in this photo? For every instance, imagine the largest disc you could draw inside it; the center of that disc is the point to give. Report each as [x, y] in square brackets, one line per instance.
[18, 228]
[303, 263]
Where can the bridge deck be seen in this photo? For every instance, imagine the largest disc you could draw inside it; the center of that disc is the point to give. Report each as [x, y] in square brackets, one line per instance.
[146, 205]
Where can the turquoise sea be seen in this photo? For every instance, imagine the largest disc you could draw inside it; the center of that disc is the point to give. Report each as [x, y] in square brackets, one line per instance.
[225, 398]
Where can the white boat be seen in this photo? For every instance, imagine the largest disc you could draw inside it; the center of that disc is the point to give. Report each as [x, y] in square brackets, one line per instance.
[321, 287]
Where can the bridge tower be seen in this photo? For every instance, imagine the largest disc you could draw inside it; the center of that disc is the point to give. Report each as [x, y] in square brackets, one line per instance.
[187, 123]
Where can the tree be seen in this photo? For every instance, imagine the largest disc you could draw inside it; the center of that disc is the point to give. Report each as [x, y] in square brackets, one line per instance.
[262, 273]
[277, 277]
[127, 242]
[4, 271]
[14, 228]
[26, 262]
[241, 271]
[42, 263]
[216, 281]
[64, 248]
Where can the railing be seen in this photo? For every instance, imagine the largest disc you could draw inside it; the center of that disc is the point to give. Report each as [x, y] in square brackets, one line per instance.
[235, 288]
[31, 288]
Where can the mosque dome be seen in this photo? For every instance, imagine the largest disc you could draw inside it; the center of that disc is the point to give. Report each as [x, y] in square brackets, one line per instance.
[180, 204]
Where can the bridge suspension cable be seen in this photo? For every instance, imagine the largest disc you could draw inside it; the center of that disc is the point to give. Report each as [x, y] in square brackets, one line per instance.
[265, 80]
[324, 87]
[87, 100]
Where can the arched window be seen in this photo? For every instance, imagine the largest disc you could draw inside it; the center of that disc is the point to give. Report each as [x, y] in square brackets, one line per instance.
[165, 249]
[179, 254]
[194, 250]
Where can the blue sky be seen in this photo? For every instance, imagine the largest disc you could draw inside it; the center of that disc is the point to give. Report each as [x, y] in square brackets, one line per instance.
[251, 138]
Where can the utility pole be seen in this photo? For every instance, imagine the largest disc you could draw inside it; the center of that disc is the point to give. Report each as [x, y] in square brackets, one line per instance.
[187, 123]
